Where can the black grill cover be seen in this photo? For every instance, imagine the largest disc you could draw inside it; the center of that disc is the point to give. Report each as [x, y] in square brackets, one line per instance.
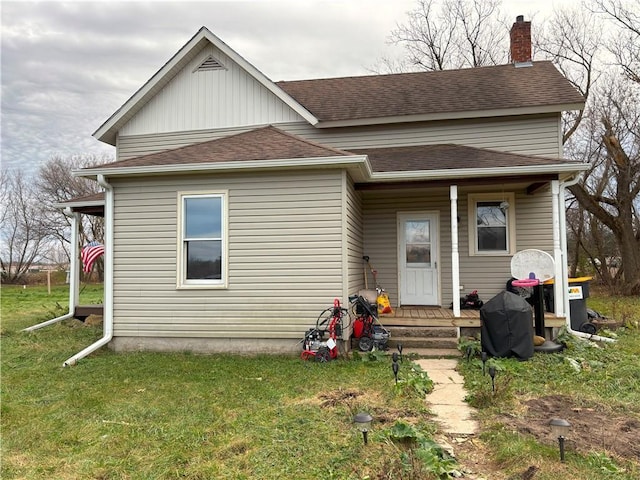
[507, 326]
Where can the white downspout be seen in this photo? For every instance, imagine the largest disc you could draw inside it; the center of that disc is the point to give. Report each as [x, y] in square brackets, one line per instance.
[74, 277]
[107, 323]
[557, 248]
[565, 267]
[455, 256]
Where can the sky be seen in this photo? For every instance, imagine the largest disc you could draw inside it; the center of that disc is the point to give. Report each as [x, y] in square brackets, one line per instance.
[66, 67]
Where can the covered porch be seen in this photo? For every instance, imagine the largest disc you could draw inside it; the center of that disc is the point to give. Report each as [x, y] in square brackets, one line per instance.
[89, 205]
[419, 316]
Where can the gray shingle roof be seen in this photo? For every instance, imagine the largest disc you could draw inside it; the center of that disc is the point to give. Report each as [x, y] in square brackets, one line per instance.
[266, 143]
[424, 93]
[447, 156]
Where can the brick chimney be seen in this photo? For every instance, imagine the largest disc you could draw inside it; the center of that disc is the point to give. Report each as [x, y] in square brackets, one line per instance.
[520, 41]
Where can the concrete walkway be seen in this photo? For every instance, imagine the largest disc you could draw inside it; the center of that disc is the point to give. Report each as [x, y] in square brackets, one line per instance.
[447, 399]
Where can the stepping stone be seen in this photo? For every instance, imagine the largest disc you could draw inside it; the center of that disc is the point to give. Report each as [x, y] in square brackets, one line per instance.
[447, 399]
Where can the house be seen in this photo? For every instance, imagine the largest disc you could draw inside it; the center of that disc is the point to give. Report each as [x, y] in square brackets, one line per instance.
[238, 208]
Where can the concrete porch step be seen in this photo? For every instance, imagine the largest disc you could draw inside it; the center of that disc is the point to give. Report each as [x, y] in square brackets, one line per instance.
[415, 331]
[423, 342]
[432, 352]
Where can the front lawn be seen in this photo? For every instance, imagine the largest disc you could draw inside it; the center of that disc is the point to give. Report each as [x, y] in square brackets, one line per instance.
[166, 416]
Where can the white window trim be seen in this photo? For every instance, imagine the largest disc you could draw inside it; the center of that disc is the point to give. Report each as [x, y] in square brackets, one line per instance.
[473, 199]
[181, 281]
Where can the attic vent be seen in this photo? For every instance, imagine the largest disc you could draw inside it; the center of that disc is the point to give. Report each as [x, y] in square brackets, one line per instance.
[210, 63]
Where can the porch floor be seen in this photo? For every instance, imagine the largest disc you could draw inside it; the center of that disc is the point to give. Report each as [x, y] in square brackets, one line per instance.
[81, 312]
[419, 316]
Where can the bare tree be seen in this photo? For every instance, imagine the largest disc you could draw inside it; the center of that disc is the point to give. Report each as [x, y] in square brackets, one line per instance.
[453, 34]
[626, 46]
[572, 39]
[609, 192]
[55, 185]
[22, 236]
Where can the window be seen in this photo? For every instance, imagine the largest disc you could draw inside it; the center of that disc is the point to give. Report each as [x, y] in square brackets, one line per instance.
[492, 224]
[202, 240]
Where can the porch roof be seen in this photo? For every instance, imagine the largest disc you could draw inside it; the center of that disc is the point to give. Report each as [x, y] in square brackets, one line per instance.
[450, 157]
[88, 204]
[265, 143]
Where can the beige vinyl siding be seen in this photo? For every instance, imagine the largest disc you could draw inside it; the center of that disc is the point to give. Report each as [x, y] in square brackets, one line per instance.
[380, 210]
[528, 134]
[487, 274]
[285, 256]
[210, 99]
[354, 239]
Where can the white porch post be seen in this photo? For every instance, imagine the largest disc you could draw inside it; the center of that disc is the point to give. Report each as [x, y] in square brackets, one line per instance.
[74, 264]
[455, 258]
[559, 260]
[74, 275]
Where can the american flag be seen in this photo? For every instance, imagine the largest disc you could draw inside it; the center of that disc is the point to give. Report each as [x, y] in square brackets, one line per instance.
[90, 253]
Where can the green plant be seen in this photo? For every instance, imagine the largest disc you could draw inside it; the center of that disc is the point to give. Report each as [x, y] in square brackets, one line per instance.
[372, 356]
[432, 457]
[413, 380]
[470, 346]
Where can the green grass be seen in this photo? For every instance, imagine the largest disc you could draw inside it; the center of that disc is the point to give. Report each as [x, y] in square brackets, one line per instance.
[170, 416]
[166, 416]
[604, 377]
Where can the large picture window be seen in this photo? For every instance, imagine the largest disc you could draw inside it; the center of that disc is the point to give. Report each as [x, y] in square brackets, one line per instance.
[492, 224]
[202, 240]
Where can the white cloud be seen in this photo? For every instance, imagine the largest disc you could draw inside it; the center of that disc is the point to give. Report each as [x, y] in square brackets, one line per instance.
[66, 67]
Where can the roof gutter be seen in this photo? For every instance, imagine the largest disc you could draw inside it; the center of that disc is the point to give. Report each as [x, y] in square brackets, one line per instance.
[565, 272]
[478, 172]
[73, 275]
[464, 114]
[107, 333]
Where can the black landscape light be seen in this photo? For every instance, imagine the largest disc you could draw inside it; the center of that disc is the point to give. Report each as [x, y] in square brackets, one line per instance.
[363, 422]
[396, 367]
[560, 429]
[484, 357]
[468, 353]
[400, 350]
[492, 374]
[394, 357]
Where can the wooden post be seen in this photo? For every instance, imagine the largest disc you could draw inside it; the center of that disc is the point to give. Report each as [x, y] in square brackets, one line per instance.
[49, 282]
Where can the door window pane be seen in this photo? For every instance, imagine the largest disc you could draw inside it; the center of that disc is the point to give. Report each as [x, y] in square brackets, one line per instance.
[418, 241]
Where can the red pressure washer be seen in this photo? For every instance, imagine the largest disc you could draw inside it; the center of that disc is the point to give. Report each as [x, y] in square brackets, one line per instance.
[314, 345]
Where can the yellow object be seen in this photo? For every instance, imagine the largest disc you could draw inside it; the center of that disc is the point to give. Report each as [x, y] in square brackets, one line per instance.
[571, 280]
[384, 305]
[537, 340]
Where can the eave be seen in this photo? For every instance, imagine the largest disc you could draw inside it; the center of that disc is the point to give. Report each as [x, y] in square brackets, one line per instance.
[563, 170]
[357, 165]
[537, 110]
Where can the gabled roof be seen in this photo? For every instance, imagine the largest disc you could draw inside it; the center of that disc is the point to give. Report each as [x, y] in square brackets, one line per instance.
[471, 92]
[376, 99]
[107, 131]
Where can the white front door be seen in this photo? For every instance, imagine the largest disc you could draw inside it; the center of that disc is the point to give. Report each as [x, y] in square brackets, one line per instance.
[418, 258]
